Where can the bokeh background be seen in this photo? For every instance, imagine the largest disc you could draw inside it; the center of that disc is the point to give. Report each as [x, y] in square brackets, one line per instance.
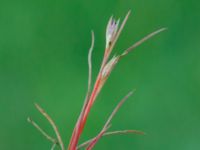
[43, 59]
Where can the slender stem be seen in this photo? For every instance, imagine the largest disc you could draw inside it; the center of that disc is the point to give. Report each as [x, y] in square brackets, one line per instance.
[124, 132]
[142, 41]
[77, 126]
[117, 108]
[76, 134]
[52, 124]
[94, 141]
[90, 63]
[53, 147]
[47, 136]
[111, 133]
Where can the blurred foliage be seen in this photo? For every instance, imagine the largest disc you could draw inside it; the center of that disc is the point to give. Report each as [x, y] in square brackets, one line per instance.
[43, 58]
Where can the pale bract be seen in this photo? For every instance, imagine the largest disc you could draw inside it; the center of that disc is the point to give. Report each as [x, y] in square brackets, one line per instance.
[111, 30]
[109, 66]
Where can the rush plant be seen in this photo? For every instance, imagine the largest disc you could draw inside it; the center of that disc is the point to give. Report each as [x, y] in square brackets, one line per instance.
[113, 31]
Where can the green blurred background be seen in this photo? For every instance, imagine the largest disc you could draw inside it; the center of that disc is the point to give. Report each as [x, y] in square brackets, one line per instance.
[43, 58]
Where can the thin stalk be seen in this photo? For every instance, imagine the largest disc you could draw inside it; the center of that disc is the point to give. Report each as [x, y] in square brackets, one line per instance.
[111, 133]
[77, 126]
[94, 141]
[52, 124]
[47, 136]
[149, 36]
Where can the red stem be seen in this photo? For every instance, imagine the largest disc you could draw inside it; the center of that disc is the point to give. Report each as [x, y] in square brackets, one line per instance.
[80, 126]
[81, 123]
